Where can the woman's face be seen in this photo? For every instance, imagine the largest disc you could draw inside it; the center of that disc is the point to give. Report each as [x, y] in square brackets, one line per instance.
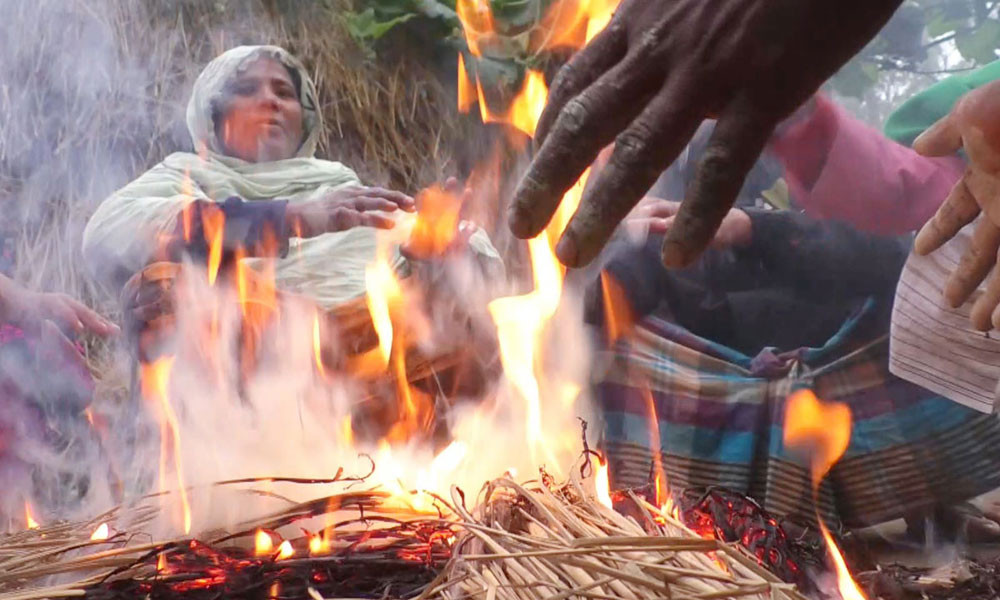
[262, 120]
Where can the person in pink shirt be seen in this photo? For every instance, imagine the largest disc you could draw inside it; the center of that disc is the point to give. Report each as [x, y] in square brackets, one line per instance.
[839, 168]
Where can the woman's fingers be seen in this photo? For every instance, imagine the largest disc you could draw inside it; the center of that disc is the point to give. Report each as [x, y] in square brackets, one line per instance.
[94, 322]
[941, 139]
[958, 210]
[367, 203]
[400, 199]
[975, 264]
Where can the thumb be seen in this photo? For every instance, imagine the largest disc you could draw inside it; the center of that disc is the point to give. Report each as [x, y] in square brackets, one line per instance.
[941, 139]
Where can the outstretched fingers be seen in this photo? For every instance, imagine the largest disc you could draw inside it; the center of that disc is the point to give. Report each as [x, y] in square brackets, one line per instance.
[585, 124]
[940, 139]
[582, 69]
[641, 153]
[958, 210]
[739, 137]
[975, 265]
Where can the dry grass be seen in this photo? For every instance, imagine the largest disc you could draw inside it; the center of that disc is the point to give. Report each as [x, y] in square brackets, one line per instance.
[92, 92]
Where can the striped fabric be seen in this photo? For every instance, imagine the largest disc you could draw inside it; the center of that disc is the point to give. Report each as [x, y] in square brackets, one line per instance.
[718, 422]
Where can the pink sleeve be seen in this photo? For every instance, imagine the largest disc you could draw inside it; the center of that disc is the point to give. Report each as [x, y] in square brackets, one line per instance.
[839, 168]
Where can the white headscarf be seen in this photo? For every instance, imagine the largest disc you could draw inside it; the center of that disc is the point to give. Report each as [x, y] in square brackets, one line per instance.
[123, 233]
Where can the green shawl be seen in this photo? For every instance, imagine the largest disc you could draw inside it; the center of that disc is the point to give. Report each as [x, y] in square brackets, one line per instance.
[124, 232]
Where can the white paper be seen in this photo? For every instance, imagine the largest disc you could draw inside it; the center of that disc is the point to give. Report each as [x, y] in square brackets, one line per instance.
[932, 344]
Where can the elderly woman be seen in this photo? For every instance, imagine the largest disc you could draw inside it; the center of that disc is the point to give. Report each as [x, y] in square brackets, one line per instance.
[255, 126]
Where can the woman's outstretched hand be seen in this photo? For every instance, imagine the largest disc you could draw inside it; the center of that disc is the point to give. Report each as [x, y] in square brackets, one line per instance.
[345, 208]
[30, 309]
[974, 126]
[649, 79]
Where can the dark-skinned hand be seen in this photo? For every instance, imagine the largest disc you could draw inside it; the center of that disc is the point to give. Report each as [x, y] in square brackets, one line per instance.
[649, 79]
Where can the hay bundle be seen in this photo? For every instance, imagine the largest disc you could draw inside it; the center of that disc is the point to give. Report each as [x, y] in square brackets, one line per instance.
[555, 543]
[520, 543]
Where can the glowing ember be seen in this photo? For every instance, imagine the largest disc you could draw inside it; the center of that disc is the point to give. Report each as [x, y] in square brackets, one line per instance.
[101, 533]
[263, 545]
[29, 519]
[823, 432]
[285, 550]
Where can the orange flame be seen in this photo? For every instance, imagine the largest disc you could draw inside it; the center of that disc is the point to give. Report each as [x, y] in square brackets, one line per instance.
[383, 290]
[285, 550]
[823, 432]
[347, 430]
[318, 347]
[618, 316]
[466, 91]
[101, 533]
[572, 23]
[319, 544]
[527, 106]
[476, 17]
[436, 224]
[602, 484]
[214, 224]
[155, 380]
[262, 543]
[161, 562]
[29, 518]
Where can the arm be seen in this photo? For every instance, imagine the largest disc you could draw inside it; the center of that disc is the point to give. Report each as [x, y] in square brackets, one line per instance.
[839, 168]
[824, 259]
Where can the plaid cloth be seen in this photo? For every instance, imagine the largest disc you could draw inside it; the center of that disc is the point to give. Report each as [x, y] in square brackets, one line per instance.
[719, 420]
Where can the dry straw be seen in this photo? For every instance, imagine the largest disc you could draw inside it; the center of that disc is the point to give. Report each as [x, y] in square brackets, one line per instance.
[521, 542]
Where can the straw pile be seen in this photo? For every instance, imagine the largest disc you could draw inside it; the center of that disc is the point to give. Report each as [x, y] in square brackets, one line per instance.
[543, 542]
[521, 542]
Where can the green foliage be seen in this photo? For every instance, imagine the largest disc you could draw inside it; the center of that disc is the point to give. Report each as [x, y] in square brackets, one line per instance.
[919, 29]
[379, 17]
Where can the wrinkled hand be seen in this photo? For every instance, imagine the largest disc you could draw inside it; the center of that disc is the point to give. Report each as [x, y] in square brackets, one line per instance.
[974, 125]
[656, 216]
[345, 208]
[650, 77]
[31, 310]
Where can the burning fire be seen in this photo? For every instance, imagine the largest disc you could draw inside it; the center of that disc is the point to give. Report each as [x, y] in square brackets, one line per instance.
[155, 378]
[602, 484]
[404, 462]
[29, 518]
[101, 533]
[822, 431]
[263, 545]
[285, 550]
